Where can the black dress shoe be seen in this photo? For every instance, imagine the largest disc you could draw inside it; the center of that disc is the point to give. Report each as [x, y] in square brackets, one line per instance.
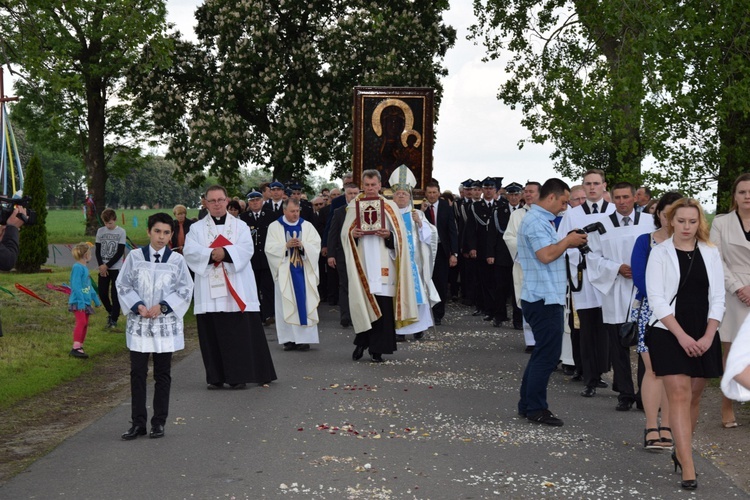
[545, 417]
[133, 433]
[376, 357]
[589, 392]
[346, 323]
[290, 346]
[400, 338]
[578, 377]
[359, 351]
[157, 431]
[477, 312]
[303, 347]
[624, 405]
[238, 387]
[529, 349]
[438, 321]
[487, 318]
[497, 323]
[568, 370]
[215, 387]
[418, 335]
[602, 384]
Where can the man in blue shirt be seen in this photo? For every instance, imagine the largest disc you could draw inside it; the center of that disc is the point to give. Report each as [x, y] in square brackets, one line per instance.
[543, 295]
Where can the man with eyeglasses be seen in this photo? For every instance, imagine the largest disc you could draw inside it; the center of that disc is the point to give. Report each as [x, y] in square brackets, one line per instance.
[219, 249]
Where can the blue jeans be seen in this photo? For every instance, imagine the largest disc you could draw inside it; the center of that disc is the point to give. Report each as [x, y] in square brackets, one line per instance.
[547, 325]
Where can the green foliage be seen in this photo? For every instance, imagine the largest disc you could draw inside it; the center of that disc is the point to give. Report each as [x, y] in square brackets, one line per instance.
[610, 83]
[576, 71]
[37, 339]
[72, 55]
[270, 82]
[151, 183]
[33, 250]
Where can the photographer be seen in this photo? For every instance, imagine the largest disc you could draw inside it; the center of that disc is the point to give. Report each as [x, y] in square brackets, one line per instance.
[9, 239]
[543, 295]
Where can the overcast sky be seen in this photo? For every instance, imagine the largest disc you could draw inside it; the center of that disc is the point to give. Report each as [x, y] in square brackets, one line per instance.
[477, 135]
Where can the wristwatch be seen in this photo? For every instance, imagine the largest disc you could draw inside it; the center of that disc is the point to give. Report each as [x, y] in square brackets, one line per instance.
[164, 308]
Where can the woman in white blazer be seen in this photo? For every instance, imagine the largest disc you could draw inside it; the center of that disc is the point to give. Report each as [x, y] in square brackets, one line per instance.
[685, 287]
[731, 234]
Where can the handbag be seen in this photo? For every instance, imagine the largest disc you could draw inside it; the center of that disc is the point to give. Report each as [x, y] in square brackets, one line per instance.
[628, 332]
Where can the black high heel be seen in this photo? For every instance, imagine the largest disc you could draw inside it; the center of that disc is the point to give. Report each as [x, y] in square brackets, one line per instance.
[676, 462]
[651, 444]
[691, 484]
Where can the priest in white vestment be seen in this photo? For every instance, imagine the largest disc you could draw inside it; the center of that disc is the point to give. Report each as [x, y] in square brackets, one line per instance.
[218, 249]
[292, 248]
[422, 240]
[381, 285]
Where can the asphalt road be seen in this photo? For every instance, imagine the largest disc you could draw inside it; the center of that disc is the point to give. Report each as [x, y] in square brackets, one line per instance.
[436, 421]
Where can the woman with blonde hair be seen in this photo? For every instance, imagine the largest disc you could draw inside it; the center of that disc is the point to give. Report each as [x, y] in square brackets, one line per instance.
[731, 234]
[685, 287]
[180, 229]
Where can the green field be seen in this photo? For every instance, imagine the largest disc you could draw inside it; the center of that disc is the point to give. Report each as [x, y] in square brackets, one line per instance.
[67, 226]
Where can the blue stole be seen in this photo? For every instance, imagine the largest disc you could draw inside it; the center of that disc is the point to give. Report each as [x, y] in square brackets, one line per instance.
[296, 270]
[411, 239]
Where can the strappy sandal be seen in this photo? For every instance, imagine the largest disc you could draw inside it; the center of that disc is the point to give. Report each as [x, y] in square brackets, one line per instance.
[78, 353]
[651, 444]
[666, 443]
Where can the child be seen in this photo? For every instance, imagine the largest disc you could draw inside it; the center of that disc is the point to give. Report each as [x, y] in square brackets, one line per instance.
[155, 288]
[81, 295]
[110, 247]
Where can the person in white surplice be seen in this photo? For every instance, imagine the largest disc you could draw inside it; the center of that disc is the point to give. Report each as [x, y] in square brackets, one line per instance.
[292, 249]
[422, 239]
[154, 288]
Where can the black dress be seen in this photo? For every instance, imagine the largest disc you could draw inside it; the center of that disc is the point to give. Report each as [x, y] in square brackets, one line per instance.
[691, 311]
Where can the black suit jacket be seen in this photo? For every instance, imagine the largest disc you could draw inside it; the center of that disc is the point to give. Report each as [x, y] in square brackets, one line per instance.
[258, 231]
[335, 248]
[477, 228]
[446, 227]
[496, 246]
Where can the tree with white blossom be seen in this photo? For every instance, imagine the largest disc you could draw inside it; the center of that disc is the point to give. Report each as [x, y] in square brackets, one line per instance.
[270, 82]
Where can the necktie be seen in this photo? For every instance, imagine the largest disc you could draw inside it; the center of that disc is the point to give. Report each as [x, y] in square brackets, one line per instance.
[256, 217]
[626, 221]
[156, 258]
[595, 208]
[431, 213]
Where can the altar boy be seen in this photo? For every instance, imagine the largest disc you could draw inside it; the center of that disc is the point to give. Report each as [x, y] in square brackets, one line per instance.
[155, 287]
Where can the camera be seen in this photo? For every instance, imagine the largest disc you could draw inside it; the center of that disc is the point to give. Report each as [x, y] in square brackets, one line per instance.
[593, 227]
[7, 206]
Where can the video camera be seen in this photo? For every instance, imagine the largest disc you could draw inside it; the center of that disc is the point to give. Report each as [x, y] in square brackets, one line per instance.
[593, 227]
[7, 206]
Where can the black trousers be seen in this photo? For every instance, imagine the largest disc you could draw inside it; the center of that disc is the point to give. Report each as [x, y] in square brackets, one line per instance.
[503, 289]
[108, 294]
[469, 281]
[440, 275]
[381, 338]
[264, 282]
[332, 275]
[343, 287]
[620, 358]
[594, 345]
[163, 382]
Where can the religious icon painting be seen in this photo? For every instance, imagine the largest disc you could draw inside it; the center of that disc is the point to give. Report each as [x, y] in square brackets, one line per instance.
[393, 127]
[370, 216]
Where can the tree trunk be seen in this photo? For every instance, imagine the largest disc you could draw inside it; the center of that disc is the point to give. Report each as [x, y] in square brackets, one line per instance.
[95, 163]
